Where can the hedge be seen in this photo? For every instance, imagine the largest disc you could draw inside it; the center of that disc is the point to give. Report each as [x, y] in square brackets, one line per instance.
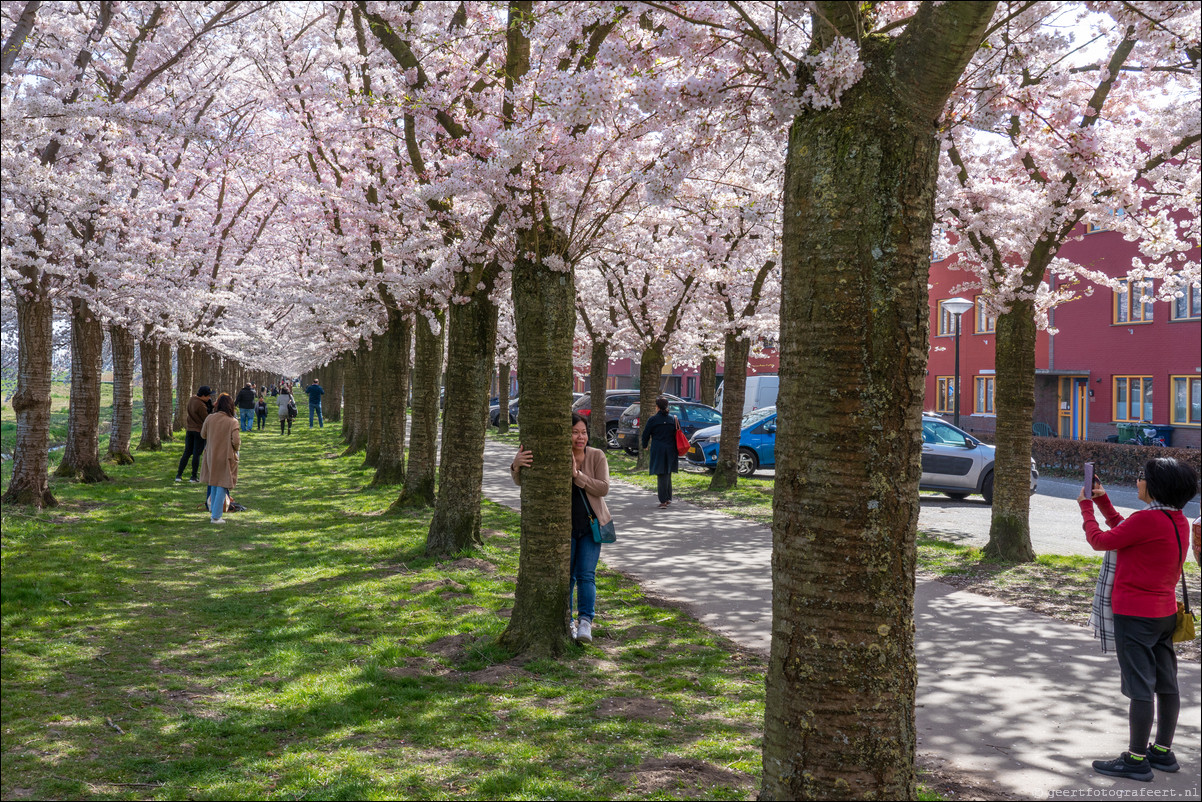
[1113, 462]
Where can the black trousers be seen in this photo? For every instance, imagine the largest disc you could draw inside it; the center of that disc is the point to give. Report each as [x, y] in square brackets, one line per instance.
[194, 446]
[663, 486]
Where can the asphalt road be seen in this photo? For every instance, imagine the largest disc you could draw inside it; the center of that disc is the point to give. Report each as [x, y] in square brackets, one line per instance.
[1055, 516]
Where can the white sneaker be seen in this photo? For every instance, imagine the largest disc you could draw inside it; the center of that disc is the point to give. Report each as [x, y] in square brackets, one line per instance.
[218, 521]
[179, 478]
[584, 631]
[573, 625]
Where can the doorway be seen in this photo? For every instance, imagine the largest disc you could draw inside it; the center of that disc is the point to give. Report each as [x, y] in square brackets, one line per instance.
[1074, 407]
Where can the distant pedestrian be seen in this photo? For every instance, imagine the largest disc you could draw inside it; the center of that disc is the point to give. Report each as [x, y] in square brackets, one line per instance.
[590, 486]
[219, 469]
[261, 411]
[196, 411]
[287, 407]
[1149, 551]
[660, 432]
[246, 407]
[315, 392]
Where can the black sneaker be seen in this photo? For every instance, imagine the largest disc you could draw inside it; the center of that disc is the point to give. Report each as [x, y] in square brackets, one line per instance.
[1162, 760]
[1124, 766]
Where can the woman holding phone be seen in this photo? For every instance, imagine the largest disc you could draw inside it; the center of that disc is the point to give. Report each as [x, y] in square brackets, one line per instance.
[590, 486]
[1150, 548]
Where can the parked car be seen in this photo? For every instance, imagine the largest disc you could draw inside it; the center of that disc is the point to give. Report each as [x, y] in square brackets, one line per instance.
[761, 392]
[757, 443]
[692, 416]
[957, 464]
[616, 402]
[494, 413]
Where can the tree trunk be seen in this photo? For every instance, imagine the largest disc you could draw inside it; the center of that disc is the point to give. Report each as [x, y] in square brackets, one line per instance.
[81, 457]
[30, 483]
[423, 435]
[123, 403]
[735, 351]
[1014, 400]
[472, 340]
[394, 393]
[149, 351]
[372, 394]
[707, 381]
[651, 369]
[503, 398]
[598, 372]
[333, 397]
[355, 430]
[545, 316]
[185, 364]
[165, 377]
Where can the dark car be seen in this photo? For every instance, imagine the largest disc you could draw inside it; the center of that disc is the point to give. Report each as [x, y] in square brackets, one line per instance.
[692, 416]
[494, 413]
[616, 402]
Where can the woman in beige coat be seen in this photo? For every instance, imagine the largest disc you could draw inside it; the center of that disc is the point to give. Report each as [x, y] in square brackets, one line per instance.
[219, 468]
[590, 486]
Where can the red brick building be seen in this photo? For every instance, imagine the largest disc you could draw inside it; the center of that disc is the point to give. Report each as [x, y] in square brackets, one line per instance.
[1114, 359]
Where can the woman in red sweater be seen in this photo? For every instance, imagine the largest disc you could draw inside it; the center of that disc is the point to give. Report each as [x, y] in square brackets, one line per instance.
[1150, 547]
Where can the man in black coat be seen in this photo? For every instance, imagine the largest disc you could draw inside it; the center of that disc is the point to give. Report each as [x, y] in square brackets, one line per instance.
[245, 401]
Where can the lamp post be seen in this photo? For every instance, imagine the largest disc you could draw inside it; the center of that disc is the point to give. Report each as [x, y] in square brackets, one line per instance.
[957, 306]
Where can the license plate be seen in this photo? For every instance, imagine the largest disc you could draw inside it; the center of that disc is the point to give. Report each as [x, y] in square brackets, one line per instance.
[694, 451]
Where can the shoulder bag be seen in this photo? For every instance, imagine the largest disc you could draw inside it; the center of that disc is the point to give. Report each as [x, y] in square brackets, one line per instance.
[682, 442]
[1185, 629]
[602, 533]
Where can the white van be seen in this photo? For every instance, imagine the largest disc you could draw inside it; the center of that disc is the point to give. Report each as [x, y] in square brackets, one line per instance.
[761, 392]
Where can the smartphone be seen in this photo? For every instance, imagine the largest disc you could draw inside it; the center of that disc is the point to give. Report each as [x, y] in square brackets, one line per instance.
[1089, 480]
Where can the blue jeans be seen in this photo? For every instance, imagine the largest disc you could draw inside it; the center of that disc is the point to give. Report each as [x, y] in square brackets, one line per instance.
[585, 553]
[216, 502]
[246, 419]
[315, 408]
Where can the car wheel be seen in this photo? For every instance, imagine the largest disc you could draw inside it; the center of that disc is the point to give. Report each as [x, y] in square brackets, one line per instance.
[748, 463]
[987, 489]
[611, 437]
[956, 496]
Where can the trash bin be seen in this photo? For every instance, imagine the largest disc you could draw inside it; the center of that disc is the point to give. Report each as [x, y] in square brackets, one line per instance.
[1167, 433]
[1127, 432]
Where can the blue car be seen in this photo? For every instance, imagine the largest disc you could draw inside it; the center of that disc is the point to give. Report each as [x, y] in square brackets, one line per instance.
[757, 443]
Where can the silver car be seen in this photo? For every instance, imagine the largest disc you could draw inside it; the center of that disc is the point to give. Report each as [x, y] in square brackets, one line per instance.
[956, 464]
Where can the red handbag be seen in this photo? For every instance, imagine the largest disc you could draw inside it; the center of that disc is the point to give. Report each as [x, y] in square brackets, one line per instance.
[682, 442]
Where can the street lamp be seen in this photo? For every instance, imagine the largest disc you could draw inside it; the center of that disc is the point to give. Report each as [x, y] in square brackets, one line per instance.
[957, 306]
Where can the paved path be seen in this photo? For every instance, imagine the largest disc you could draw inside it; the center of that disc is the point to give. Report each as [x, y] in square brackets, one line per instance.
[1019, 700]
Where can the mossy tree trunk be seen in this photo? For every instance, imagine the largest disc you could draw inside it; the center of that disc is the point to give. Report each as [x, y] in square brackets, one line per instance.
[707, 380]
[471, 342]
[357, 400]
[30, 482]
[858, 212]
[394, 394]
[333, 384]
[185, 388]
[598, 372]
[373, 390]
[121, 426]
[423, 434]
[165, 388]
[651, 368]
[736, 347]
[148, 350]
[1014, 402]
[81, 456]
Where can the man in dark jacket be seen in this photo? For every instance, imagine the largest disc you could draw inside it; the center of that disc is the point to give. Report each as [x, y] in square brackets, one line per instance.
[197, 410]
[315, 393]
[245, 402]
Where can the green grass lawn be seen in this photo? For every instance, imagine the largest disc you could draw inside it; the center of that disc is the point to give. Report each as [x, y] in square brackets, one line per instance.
[308, 649]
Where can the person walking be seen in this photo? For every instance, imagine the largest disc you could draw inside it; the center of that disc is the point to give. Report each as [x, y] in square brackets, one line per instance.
[219, 469]
[195, 413]
[590, 486]
[315, 392]
[660, 432]
[246, 407]
[287, 407]
[1150, 548]
[261, 410]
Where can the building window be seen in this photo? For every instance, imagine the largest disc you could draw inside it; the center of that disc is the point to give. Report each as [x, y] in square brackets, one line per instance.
[1132, 398]
[945, 393]
[1187, 400]
[986, 322]
[1189, 305]
[947, 321]
[985, 386]
[1128, 308]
